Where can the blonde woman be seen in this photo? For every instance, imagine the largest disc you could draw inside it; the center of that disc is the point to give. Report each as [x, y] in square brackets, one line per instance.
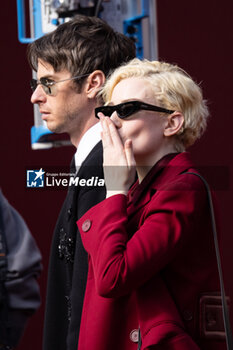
[152, 263]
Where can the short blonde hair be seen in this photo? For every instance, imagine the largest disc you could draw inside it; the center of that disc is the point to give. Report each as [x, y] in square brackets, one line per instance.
[174, 89]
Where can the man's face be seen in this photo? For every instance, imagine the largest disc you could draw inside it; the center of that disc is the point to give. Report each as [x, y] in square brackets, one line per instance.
[65, 110]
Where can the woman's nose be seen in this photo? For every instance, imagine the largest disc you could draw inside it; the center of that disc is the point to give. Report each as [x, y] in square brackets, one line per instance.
[116, 120]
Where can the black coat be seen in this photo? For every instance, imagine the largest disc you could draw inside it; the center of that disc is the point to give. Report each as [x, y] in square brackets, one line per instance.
[68, 260]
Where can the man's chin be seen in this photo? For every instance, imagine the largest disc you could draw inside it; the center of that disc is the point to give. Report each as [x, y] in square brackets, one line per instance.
[57, 129]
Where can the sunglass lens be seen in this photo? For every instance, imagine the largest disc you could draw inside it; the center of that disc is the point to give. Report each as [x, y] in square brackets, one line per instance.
[103, 109]
[47, 89]
[106, 110]
[33, 84]
[125, 110]
[45, 86]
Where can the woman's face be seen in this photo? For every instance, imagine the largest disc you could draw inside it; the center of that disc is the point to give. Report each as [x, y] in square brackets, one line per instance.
[145, 128]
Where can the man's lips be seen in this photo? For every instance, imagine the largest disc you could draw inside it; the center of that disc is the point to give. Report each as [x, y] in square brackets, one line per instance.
[44, 114]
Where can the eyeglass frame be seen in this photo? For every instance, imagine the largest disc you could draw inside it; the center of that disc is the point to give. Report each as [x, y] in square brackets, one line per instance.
[138, 104]
[47, 85]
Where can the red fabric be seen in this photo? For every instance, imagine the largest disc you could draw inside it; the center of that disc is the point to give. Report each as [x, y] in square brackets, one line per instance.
[150, 259]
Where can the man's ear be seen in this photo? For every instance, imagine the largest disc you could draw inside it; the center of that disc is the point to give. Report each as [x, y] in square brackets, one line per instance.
[173, 124]
[94, 82]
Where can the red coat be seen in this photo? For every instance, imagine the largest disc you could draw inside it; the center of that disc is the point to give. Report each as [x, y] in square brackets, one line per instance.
[151, 259]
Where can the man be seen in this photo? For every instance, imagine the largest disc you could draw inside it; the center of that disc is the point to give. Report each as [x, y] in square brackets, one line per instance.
[71, 64]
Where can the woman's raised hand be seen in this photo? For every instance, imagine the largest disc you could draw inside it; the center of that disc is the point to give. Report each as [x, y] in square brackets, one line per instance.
[119, 163]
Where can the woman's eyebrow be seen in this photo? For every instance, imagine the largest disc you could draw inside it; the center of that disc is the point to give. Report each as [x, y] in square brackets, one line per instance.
[110, 103]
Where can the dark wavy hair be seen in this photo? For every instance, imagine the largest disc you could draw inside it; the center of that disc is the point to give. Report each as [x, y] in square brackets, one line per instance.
[82, 45]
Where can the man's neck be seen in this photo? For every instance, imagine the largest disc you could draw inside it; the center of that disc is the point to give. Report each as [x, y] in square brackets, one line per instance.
[87, 143]
[76, 136]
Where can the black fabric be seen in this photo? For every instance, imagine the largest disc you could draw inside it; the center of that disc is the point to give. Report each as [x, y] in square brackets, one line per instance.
[19, 289]
[68, 260]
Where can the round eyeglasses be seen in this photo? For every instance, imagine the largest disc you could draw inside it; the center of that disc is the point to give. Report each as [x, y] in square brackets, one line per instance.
[47, 83]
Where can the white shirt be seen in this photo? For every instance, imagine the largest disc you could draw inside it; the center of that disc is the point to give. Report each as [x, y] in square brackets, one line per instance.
[87, 143]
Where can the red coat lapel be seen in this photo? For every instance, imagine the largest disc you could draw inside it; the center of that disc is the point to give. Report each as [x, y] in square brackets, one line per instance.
[163, 172]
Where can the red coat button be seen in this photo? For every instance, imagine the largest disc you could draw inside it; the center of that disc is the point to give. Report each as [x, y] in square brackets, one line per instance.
[134, 336]
[86, 225]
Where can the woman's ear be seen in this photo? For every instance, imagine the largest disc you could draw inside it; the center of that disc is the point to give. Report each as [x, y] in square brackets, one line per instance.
[173, 124]
[94, 83]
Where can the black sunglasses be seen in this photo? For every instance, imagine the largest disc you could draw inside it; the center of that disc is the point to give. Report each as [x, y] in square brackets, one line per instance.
[124, 110]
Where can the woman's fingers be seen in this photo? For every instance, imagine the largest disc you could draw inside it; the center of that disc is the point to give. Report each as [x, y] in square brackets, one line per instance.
[110, 130]
[115, 137]
[129, 153]
[106, 135]
[120, 153]
[131, 163]
[119, 162]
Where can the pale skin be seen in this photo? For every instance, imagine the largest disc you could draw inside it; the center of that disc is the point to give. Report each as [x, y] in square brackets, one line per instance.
[68, 110]
[137, 142]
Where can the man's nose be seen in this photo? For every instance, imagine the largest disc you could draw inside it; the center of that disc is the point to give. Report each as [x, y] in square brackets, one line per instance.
[38, 95]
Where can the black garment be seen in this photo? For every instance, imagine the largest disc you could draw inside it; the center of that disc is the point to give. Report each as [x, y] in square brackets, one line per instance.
[68, 260]
[20, 266]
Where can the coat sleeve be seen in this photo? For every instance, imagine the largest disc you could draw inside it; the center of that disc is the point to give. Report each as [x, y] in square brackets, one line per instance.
[121, 264]
[23, 268]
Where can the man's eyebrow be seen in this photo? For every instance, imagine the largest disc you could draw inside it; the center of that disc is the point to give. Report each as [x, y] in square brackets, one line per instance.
[48, 76]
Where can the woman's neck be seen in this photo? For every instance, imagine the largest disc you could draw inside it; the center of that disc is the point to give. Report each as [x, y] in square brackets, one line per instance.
[144, 165]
